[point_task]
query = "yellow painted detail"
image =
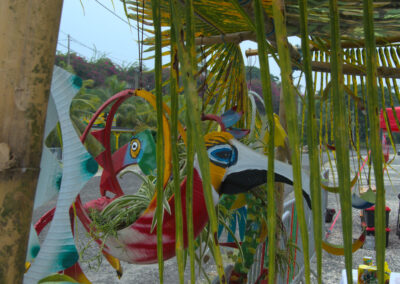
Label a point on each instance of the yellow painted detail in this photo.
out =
(115, 263)
(152, 100)
(217, 174)
(239, 202)
(339, 250)
(264, 231)
(81, 278)
(100, 120)
(335, 189)
(27, 266)
(216, 138)
(135, 148)
(279, 135)
(167, 143)
(167, 133)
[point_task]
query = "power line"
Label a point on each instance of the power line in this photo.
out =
(119, 61)
(95, 50)
(63, 45)
(82, 44)
(119, 17)
(112, 12)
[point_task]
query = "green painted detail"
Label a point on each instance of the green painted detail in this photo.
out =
(69, 257)
(147, 162)
(35, 250)
(58, 181)
(77, 82)
(57, 278)
(91, 165)
(252, 233)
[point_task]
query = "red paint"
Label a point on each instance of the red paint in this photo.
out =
(148, 244)
(137, 243)
(140, 242)
(215, 118)
(44, 220)
(391, 119)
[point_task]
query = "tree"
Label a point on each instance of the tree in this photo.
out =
(27, 49)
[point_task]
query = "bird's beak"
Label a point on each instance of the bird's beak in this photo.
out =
(250, 171)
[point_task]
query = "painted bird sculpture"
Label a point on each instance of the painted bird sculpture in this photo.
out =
(235, 168)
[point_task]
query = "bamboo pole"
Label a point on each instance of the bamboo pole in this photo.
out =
(227, 38)
(28, 32)
(347, 69)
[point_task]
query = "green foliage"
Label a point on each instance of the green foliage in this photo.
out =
(125, 210)
(99, 69)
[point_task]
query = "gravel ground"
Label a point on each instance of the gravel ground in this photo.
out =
(332, 265)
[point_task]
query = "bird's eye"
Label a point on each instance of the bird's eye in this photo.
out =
(223, 155)
(135, 148)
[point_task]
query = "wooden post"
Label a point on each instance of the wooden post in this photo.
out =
(28, 32)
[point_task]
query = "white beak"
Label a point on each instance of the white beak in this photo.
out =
(251, 168)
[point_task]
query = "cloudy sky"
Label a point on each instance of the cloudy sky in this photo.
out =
(99, 28)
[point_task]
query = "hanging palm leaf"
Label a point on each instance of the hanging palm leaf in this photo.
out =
(220, 26)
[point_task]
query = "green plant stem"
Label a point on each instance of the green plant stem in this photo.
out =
(312, 139)
(179, 246)
(160, 134)
(189, 198)
(191, 51)
(376, 146)
(290, 106)
(185, 53)
(266, 87)
(341, 136)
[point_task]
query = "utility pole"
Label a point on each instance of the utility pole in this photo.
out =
(27, 49)
(69, 53)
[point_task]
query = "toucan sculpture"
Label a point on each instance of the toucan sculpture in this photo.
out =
(234, 167)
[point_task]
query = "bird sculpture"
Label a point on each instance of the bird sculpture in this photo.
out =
(235, 168)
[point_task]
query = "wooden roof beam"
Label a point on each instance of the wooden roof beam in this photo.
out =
(348, 69)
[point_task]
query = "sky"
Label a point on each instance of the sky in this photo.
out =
(95, 31)
(99, 28)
